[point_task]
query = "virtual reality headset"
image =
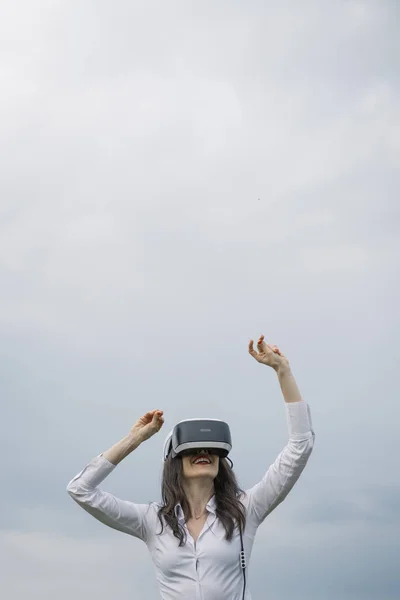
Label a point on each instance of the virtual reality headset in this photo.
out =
(198, 434)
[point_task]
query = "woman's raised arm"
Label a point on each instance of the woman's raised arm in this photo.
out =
(281, 476)
(84, 488)
(143, 429)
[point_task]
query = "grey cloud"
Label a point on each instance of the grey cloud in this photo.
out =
(348, 504)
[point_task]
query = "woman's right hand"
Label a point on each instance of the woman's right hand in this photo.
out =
(148, 425)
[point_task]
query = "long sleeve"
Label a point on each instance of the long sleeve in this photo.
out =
(281, 476)
(119, 514)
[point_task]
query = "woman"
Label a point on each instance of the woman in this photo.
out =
(195, 536)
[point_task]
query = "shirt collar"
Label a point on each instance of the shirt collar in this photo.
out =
(211, 507)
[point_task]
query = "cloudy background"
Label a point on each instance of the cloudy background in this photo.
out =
(177, 177)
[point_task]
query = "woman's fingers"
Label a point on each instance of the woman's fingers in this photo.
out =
(158, 419)
(263, 348)
(150, 416)
(149, 424)
(145, 419)
(251, 349)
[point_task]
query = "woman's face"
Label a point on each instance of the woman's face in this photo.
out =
(200, 464)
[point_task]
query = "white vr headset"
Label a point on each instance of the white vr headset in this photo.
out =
(198, 434)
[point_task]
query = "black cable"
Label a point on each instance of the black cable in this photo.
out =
(242, 562)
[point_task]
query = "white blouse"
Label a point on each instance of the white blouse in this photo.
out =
(210, 568)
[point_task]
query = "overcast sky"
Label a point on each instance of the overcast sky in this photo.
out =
(176, 178)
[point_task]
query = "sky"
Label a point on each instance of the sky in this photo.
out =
(177, 178)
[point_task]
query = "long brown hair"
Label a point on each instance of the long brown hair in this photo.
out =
(229, 508)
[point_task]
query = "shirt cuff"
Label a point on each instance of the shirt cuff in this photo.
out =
(95, 471)
(299, 420)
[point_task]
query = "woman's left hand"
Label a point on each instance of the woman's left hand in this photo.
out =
(268, 354)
